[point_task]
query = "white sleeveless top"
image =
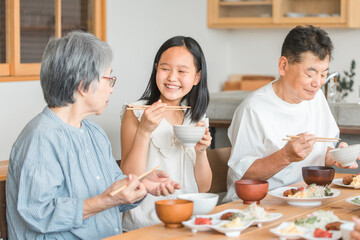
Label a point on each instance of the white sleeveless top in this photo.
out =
(174, 158)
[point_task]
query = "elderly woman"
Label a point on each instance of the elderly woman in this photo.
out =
(61, 168)
(291, 105)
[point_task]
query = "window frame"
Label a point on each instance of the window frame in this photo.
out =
(13, 70)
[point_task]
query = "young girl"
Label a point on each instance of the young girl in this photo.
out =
(147, 137)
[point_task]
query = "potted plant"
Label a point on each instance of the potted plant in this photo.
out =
(345, 83)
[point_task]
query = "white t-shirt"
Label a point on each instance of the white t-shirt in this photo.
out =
(174, 158)
(261, 122)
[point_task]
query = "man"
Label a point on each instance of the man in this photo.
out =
(291, 105)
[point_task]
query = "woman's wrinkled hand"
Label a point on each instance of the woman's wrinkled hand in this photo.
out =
(159, 183)
(205, 142)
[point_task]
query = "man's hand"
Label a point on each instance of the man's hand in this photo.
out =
(158, 183)
(329, 161)
(299, 148)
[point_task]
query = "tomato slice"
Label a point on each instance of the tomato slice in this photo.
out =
(322, 233)
(203, 221)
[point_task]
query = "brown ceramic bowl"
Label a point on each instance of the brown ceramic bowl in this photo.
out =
(173, 211)
(250, 190)
(320, 175)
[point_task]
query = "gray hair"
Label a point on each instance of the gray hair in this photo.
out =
(78, 57)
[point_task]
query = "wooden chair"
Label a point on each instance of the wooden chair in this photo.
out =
(3, 224)
(218, 159)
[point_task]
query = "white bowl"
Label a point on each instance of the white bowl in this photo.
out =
(346, 156)
(203, 202)
(189, 135)
(345, 229)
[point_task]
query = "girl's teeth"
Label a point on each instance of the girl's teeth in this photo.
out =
(173, 87)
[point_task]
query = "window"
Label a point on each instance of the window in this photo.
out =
(27, 25)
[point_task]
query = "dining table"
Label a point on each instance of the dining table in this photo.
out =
(341, 208)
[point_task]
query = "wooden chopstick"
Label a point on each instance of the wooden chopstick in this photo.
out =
(142, 107)
(139, 178)
(318, 138)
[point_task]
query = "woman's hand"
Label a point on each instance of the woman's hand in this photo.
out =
(329, 161)
(158, 183)
(205, 142)
(299, 148)
(152, 117)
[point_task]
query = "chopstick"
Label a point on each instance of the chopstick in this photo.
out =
(318, 138)
(139, 178)
(143, 107)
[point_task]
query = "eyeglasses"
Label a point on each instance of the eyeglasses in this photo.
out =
(112, 80)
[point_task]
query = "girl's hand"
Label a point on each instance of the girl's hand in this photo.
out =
(205, 142)
(152, 117)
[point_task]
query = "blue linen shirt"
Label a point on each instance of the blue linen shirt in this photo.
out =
(53, 169)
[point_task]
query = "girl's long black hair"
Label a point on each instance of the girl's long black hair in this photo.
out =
(198, 97)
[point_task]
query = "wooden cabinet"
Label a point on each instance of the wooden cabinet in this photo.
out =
(283, 13)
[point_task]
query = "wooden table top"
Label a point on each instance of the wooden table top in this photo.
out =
(341, 208)
(3, 170)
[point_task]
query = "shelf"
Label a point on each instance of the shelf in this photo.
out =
(231, 4)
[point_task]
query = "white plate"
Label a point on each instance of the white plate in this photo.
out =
(310, 236)
(349, 200)
(271, 217)
(204, 227)
(284, 236)
(339, 182)
(301, 201)
(231, 232)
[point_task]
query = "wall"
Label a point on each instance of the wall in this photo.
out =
(136, 29)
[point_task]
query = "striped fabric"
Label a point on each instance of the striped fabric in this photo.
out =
(53, 168)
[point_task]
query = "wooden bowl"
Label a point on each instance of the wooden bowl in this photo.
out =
(320, 175)
(250, 190)
(173, 211)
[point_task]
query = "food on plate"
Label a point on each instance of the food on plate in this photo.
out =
(203, 221)
(291, 229)
(356, 200)
(227, 216)
(235, 223)
(317, 219)
(322, 233)
(335, 226)
(292, 191)
(311, 191)
(348, 179)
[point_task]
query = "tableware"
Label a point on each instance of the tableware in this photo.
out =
(349, 200)
(284, 236)
(203, 202)
(317, 139)
(173, 211)
(320, 175)
(310, 236)
(339, 182)
(250, 190)
(271, 217)
(345, 230)
(143, 107)
(301, 201)
(346, 156)
(189, 135)
(232, 231)
(204, 227)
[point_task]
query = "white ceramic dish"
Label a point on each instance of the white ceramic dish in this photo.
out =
(204, 203)
(346, 156)
(217, 223)
(189, 135)
(349, 200)
(339, 182)
(301, 201)
(284, 236)
(310, 236)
